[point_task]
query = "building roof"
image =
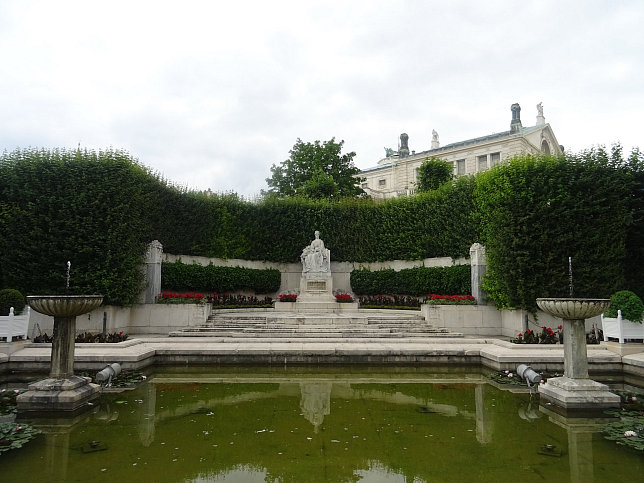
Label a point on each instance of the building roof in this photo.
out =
(452, 146)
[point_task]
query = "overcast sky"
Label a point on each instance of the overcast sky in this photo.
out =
(211, 93)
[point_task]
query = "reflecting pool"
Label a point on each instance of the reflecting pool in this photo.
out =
(319, 425)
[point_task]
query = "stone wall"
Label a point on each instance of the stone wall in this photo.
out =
(484, 320)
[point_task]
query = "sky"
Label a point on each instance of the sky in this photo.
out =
(210, 94)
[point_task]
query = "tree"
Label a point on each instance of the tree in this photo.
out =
(316, 170)
(433, 173)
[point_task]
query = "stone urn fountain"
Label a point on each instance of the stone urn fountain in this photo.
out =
(62, 391)
(575, 390)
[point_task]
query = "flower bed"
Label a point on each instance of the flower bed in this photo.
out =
(87, 337)
(550, 336)
(343, 298)
(180, 298)
(435, 299)
(288, 297)
(232, 301)
(218, 301)
(395, 301)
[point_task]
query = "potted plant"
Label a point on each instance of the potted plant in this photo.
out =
(623, 319)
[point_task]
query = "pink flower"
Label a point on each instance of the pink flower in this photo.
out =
(628, 434)
(507, 372)
(541, 381)
(510, 375)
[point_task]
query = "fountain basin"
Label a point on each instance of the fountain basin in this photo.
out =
(573, 308)
(62, 392)
(575, 391)
(64, 305)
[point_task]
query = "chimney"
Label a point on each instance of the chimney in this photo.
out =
(404, 146)
(515, 125)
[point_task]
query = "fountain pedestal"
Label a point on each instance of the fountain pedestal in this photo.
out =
(62, 391)
(575, 391)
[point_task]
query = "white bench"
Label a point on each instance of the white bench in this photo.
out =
(14, 325)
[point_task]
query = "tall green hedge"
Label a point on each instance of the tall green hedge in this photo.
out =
(453, 280)
(87, 207)
(535, 212)
(210, 278)
(100, 209)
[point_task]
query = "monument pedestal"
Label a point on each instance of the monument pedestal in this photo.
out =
(64, 395)
(572, 394)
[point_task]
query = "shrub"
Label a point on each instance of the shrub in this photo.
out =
(629, 303)
(417, 281)
(11, 298)
(211, 278)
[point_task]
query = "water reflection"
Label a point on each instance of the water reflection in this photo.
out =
(320, 427)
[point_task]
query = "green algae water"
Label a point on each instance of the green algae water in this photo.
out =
(319, 425)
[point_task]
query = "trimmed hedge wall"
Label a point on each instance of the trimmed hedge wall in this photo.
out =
(100, 210)
(91, 208)
(211, 278)
(436, 224)
(536, 212)
(454, 280)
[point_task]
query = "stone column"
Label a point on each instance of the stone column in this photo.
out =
(152, 272)
(575, 355)
(62, 348)
(479, 266)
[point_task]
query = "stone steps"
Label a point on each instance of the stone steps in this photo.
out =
(315, 326)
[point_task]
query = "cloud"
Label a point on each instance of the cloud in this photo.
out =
(211, 94)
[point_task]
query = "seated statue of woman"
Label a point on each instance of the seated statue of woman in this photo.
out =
(315, 258)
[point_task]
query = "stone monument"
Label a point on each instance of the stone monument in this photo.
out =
(316, 281)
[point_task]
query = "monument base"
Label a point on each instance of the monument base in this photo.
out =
(316, 287)
(58, 395)
(573, 394)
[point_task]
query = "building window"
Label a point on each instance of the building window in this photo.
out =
(495, 158)
(482, 162)
(460, 166)
(365, 185)
(382, 183)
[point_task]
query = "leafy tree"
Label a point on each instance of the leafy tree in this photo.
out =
(316, 170)
(433, 173)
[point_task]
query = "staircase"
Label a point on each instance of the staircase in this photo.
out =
(368, 324)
